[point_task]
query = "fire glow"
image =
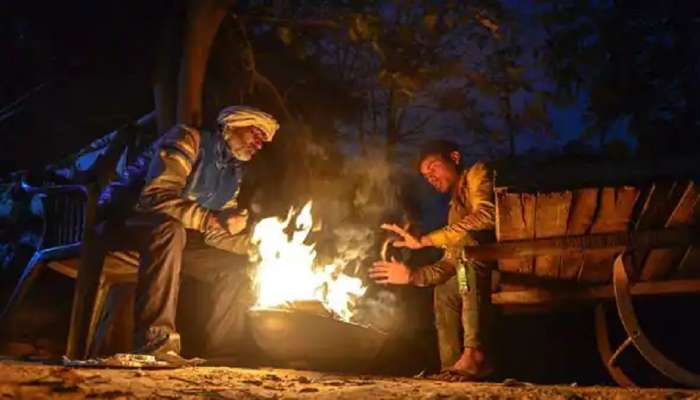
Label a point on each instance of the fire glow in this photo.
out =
(287, 269)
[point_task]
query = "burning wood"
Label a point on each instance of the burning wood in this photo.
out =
(287, 275)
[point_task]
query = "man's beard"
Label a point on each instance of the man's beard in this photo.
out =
(242, 153)
(225, 155)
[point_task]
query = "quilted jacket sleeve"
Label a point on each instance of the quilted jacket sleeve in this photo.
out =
(222, 240)
(172, 163)
(439, 272)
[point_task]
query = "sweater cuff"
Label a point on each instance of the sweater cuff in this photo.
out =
(438, 238)
(416, 279)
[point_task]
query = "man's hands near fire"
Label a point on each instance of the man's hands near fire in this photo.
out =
(407, 240)
(233, 221)
(392, 272)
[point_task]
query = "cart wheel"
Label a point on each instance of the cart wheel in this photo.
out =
(609, 358)
(636, 336)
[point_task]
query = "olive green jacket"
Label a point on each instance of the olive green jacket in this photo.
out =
(471, 210)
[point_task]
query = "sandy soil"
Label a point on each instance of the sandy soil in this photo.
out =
(35, 381)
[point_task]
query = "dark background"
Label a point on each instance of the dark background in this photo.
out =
(73, 71)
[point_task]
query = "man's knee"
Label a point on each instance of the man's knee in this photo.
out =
(440, 297)
(446, 296)
(171, 234)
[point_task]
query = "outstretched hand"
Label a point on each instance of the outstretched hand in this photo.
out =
(232, 222)
(392, 272)
(407, 240)
(236, 222)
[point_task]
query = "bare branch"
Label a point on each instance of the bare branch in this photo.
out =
(256, 76)
(305, 23)
(416, 128)
(17, 105)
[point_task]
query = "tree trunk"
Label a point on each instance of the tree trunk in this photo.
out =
(392, 130)
(167, 65)
(508, 114)
(203, 20)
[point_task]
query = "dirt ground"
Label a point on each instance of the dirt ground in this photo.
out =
(35, 381)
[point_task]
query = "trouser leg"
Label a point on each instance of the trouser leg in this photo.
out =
(229, 295)
(447, 303)
(158, 283)
(476, 305)
(226, 322)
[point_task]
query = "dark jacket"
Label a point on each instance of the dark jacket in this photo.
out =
(185, 175)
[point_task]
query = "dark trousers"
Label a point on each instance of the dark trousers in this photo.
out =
(463, 317)
(167, 252)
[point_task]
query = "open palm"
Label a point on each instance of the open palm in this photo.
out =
(407, 240)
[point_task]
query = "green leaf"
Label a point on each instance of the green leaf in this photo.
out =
(360, 26)
(484, 85)
(430, 20)
(536, 109)
(487, 23)
(450, 21)
(352, 34)
(452, 99)
(377, 49)
(515, 73)
(285, 35)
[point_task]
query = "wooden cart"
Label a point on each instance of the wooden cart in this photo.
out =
(599, 240)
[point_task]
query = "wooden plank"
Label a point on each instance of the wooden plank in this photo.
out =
(67, 267)
(616, 242)
(551, 217)
(614, 209)
(653, 213)
(549, 296)
(515, 282)
(659, 263)
(689, 266)
(658, 206)
(583, 207)
(515, 220)
(615, 205)
(685, 213)
(119, 266)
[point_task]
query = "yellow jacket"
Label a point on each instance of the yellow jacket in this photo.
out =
(471, 210)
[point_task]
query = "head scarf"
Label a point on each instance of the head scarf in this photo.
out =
(242, 116)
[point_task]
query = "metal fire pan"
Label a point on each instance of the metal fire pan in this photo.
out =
(306, 340)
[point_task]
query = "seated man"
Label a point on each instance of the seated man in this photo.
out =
(462, 287)
(185, 208)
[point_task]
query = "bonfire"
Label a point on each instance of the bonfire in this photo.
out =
(288, 276)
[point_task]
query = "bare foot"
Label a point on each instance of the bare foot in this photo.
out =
(449, 375)
(472, 365)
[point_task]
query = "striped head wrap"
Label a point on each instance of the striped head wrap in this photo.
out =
(242, 116)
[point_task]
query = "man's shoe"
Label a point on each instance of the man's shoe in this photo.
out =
(164, 344)
(167, 349)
